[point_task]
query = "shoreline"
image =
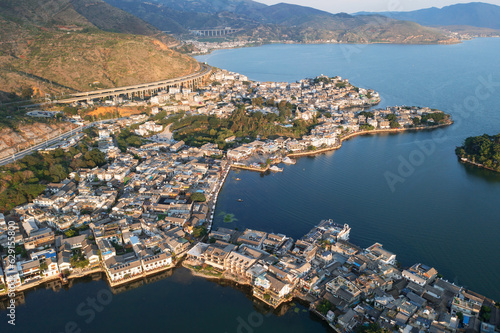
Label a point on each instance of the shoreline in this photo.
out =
(213, 200)
(466, 161)
(370, 132)
(338, 146)
(259, 44)
(100, 270)
(221, 276)
(244, 283)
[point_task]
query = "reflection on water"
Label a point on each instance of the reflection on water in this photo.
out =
(481, 174)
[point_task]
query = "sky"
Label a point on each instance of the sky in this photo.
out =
(352, 6)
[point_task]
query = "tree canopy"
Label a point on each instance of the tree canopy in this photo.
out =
(198, 197)
(24, 180)
(200, 129)
(484, 149)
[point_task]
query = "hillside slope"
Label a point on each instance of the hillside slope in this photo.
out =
(57, 46)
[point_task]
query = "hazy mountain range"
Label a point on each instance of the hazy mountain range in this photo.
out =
(277, 22)
(476, 14)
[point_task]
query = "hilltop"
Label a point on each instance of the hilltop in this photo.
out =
(62, 46)
(278, 22)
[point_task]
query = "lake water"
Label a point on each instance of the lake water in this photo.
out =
(177, 302)
(441, 213)
(433, 209)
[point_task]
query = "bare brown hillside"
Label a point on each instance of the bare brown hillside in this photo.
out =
(63, 46)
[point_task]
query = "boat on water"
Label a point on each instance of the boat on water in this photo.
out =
(288, 160)
(240, 200)
(237, 179)
(275, 169)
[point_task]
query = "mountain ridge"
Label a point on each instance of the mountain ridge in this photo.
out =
(476, 14)
(281, 21)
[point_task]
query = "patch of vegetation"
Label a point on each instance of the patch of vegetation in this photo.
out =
(162, 119)
(324, 306)
(437, 117)
(24, 180)
(127, 138)
(206, 270)
(198, 197)
(323, 79)
(394, 124)
(366, 127)
(78, 260)
(484, 149)
(199, 232)
(367, 114)
(485, 313)
(20, 250)
(227, 217)
(370, 328)
(198, 130)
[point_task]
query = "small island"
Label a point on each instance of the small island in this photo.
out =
(482, 151)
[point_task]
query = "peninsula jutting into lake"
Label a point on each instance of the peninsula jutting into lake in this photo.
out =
(151, 206)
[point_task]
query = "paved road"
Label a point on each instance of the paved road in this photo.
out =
(50, 142)
(83, 96)
(205, 69)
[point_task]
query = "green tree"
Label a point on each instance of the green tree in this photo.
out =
(366, 127)
(199, 232)
(366, 114)
(43, 265)
(198, 197)
(324, 306)
(258, 101)
(394, 124)
(70, 233)
(391, 117)
(371, 328)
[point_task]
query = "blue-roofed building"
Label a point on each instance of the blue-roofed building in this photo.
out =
(44, 254)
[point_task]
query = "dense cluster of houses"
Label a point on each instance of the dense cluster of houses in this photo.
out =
(348, 286)
(135, 216)
(131, 216)
(206, 47)
(329, 130)
(272, 263)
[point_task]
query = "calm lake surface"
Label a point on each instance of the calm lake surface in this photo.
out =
(439, 212)
(443, 213)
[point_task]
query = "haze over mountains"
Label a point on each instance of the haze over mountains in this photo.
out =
(277, 22)
(61, 46)
(476, 14)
